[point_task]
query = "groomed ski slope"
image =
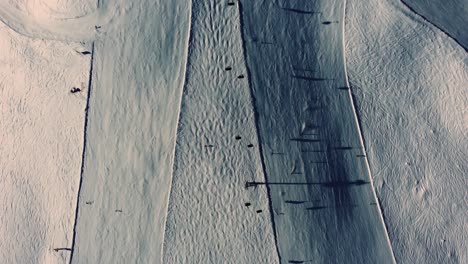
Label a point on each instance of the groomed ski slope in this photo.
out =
(325, 209)
(41, 133)
(410, 84)
(138, 73)
(212, 218)
(289, 122)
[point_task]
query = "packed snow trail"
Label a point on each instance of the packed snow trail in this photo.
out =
(212, 218)
(325, 209)
(138, 71)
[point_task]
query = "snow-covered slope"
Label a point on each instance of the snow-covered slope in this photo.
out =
(54, 9)
(247, 138)
(41, 139)
(138, 72)
(325, 210)
(210, 219)
(410, 82)
(449, 16)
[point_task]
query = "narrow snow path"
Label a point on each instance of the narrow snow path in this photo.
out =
(133, 111)
(212, 218)
(321, 190)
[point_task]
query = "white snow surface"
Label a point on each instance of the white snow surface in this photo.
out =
(138, 74)
(208, 221)
(54, 9)
(410, 82)
(41, 140)
(164, 115)
(325, 210)
(449, 16)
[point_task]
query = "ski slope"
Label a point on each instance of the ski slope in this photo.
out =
(325, 210)
(138, 72)
(226, 132)
(212, 218)
(449, 17)
(413, 110)
(41, 141)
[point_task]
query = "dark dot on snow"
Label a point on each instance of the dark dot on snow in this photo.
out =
(228, 68)
(231, 4)
(209, 146)
(118, 211)
(259, 211)
(75, 90)
(85, 52)
(248, 204)
(238, 137)
(241, 76)
(250, 145)
(327, 22)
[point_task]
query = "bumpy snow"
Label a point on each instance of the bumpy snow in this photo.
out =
(209, 218)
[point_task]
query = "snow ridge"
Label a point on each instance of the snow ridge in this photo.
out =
(84, 151)
(361, 138)
(260, 144)
(187, 74)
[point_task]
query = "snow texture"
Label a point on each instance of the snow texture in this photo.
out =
(226, 131)
(410, 82)
(54, 9)
(212, 217)
(449, 16)
(316, 167)
(138, 73)
(40, 145)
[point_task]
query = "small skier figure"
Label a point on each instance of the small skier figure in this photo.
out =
(75, 90)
